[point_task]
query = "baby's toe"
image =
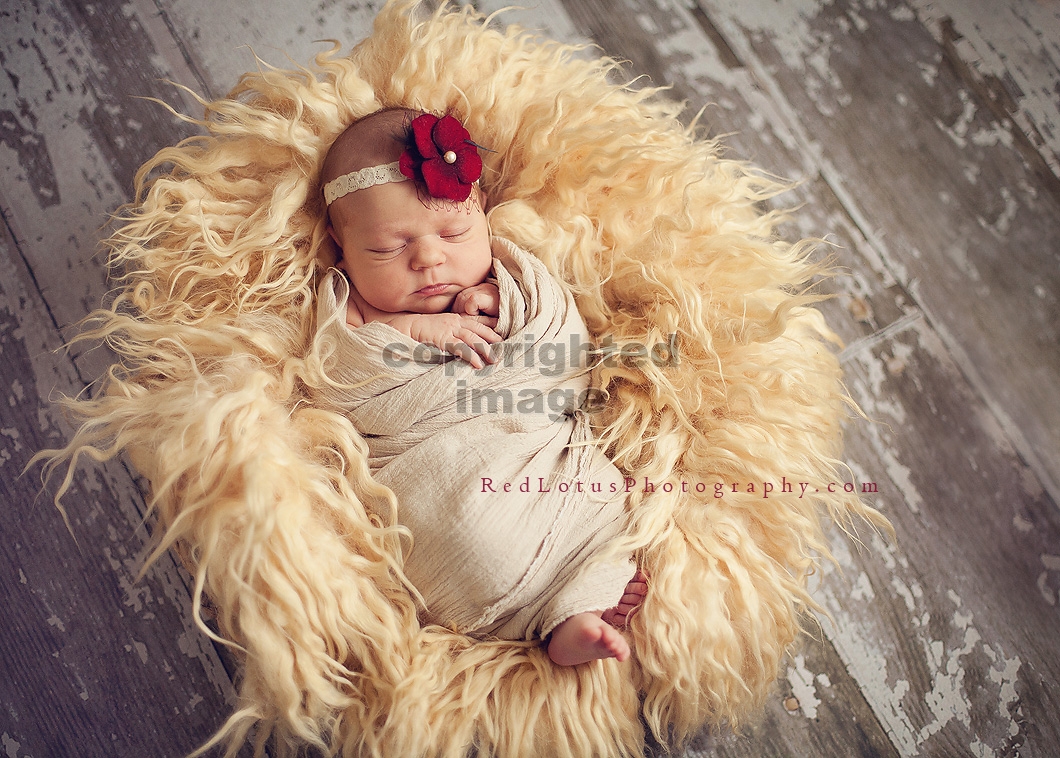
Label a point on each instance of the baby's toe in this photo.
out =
(616, 644)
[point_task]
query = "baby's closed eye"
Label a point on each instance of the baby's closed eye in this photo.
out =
(385, 249)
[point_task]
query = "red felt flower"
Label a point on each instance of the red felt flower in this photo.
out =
(442, 156)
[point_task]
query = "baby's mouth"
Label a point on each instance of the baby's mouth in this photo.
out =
(433, 289)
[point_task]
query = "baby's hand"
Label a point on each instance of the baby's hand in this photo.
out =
(483, 298)
(467, 337)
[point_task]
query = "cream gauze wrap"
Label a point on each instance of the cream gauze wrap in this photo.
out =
(446, 438)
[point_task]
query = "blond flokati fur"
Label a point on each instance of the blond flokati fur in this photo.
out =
(269, 499)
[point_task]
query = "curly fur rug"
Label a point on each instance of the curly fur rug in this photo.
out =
(269, 500)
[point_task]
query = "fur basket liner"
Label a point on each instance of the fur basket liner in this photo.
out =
(269, 501)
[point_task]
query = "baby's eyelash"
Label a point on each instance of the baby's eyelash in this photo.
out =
(456, 234)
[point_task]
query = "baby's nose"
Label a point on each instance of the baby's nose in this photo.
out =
(426, 253)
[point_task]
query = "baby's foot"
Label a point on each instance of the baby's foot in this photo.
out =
(633, 596)
(586, 637)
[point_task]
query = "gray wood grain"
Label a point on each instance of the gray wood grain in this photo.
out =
(94, 662)
(75, 129)
(1009, 52)
(818, 710)
(967, 222)
(953, 632)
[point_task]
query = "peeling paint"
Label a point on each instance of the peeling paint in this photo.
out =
(862, 590)
(12, 434)
(1043, 587)
(11, 746)
(947, 698)
(958, 131)
(1051, 564)
(959, 256)
(879, 406)
(803, 688)
(195, 700)
(83, 694)
(786, 24)
(1000, 226)
(1014, 44)
(18, 393)
(998, 133)
(224, 36)
(947, 639)
(929, 72)
(141, 650)
(38, 340)
(54, 87)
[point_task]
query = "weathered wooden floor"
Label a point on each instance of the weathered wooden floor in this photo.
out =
(926, 135)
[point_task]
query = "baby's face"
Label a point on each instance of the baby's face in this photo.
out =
(403, 256)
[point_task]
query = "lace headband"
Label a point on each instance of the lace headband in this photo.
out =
(439, 155)
(363, 179)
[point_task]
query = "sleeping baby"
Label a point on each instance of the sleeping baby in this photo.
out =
(531, 560)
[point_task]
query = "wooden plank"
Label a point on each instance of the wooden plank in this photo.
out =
(73, 132)
(95, 662)
(219, 40)
(814, 713)
(1009, 53)
(701, 70)
(953, 632)
(963, 220)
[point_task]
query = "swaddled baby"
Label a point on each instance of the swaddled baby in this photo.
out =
(511, 506)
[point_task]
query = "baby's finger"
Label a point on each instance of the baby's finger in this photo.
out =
(481, 349)
(465, 351)
(473, 348)
(483, 330)
(462, 302)
(468, 302)
(487, 321)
